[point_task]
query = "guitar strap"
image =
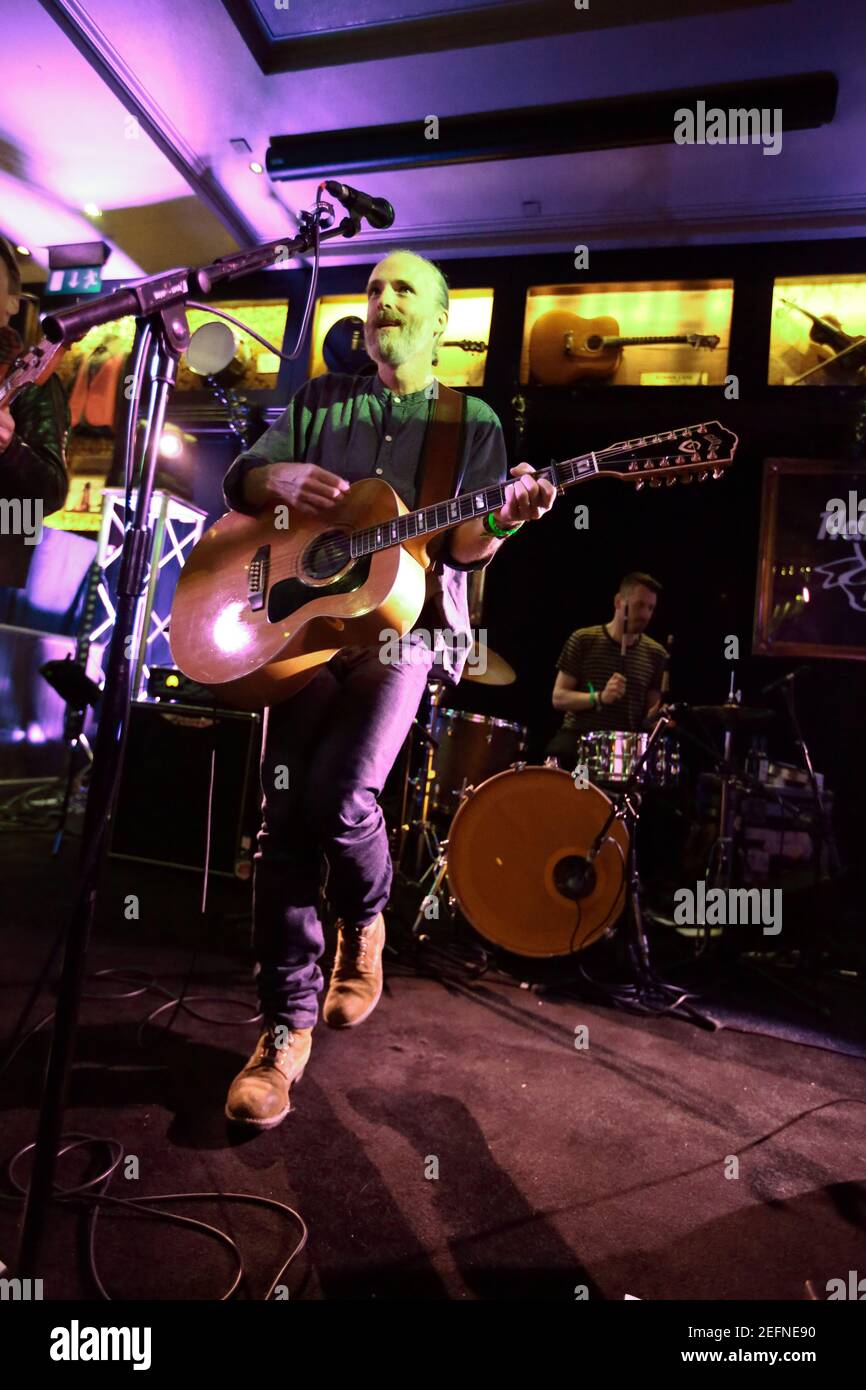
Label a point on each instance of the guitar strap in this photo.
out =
(441, 456)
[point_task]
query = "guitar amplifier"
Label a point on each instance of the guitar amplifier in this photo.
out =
(162, 807)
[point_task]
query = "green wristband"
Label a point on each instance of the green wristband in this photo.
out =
(495, 530)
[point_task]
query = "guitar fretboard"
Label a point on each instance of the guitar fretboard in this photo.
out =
(442, 515)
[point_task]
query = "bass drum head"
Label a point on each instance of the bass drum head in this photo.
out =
(512, 842)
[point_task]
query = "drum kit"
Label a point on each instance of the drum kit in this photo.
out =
(542, 861)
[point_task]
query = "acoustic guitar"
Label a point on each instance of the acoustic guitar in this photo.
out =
(259, 609)
(564, 348)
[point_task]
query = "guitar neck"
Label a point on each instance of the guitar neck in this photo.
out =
(634, 342)
(442, 516)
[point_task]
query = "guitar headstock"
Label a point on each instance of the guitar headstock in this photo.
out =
(37, 362)
(671, 455)
(703, 340)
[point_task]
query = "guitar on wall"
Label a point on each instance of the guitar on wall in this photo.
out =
(259, 609)
(563, 347)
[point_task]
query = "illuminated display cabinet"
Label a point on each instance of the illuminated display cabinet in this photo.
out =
(818, 331)
(653, 333)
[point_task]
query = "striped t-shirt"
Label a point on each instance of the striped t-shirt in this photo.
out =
(592, 656)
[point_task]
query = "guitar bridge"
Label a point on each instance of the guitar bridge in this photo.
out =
(257, 579)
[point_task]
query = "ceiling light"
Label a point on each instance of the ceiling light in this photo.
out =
(91, 210)
(22, 250)
(256, 167)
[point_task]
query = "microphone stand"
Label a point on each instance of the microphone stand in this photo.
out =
(161, 335)
(648, 987)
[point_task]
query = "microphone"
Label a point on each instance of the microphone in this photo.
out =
(377, 211)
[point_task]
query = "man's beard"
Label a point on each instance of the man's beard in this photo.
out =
(396, 345)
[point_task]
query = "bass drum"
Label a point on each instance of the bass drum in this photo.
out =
(517, 862)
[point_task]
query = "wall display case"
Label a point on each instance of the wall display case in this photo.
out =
(653, 333)
(818, 331)
(811, 582)
(337, 342)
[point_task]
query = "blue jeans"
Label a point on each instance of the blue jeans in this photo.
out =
(334, 743)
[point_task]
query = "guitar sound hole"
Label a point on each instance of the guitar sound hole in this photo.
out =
(326, 555)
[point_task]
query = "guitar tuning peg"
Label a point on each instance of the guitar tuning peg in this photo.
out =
(687, 478)
(703, 475)
(671, 479)
(655, 482)
(639, 484)
(717, 472)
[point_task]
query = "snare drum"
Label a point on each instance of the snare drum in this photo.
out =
(610, 757)
(472, 747)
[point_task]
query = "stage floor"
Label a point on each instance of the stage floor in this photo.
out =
(455, 1146)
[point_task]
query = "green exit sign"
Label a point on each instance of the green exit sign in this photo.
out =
(75, 280)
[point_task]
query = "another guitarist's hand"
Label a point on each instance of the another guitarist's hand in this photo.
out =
(7, 429)
(304, 486)
(527, 499)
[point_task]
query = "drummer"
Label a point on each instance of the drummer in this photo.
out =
(600, 686)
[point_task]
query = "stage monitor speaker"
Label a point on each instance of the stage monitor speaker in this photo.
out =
(161, 815)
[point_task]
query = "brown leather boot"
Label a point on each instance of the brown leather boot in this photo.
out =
(356, 980)
(259, 1095)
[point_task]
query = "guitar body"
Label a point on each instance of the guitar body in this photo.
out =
(259, 610)
(563, 347)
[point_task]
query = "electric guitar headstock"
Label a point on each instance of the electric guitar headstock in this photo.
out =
(671, 455)
(33, 365)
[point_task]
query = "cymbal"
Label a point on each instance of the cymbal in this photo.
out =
(734, 716)
(486, 667)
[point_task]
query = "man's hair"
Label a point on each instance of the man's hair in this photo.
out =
(10, 260)
(440, 282)
(636, 577)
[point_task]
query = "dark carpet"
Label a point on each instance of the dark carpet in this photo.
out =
(456, 1146)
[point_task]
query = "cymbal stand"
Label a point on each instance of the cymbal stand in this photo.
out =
(427, 839)
(648, 993)
(722, 850)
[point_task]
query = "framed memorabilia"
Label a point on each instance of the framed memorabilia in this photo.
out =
(818, 331)
(337, 342)
(811, 584)
(656, 333)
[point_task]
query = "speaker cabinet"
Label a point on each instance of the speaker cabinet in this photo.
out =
(162, 809)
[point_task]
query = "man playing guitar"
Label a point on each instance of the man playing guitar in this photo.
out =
(329, 748)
